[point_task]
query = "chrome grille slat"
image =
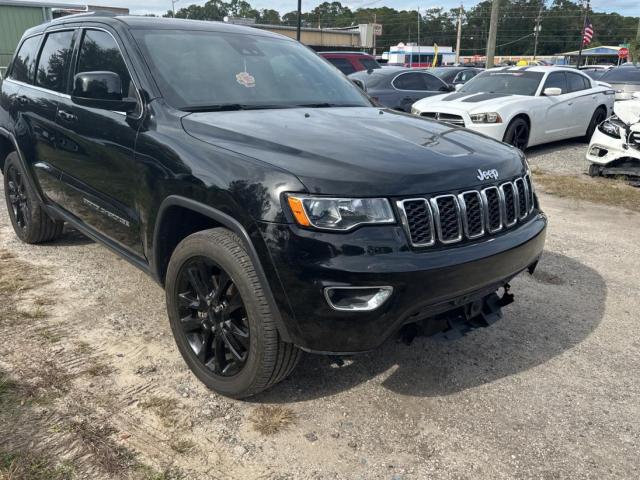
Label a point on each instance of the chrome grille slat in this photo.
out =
(508, 192)
(472, 214)
(446, 216)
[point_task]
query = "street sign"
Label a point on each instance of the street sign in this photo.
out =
(377, 29)
(623, 52)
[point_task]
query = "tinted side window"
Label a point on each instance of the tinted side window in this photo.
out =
(343, 65)
(576, 82)
(369, 63)
(432, 83)
(53, 65)
(99, 52)
(410, 81)
(556, 80)
(24, 65)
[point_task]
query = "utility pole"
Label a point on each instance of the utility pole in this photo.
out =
(173, 8)
(584, 21)
(537, 28)
(375, 23)
(459, 35)
(299, 20)
(418, 36)
(493, 33)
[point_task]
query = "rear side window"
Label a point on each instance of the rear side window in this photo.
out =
(410, 81)
(433, 84)
(24, 65)
(99, 52)
(55, 57)
(556, 80)
(576, 82)
(369, 63)
(343, 65)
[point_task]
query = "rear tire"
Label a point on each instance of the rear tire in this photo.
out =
(29, 219)
(517, 133)
(597, 118)
(222, 324)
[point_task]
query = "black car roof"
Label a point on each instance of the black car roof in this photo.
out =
(141, 23)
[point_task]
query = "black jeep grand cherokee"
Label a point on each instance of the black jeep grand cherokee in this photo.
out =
(279, 208)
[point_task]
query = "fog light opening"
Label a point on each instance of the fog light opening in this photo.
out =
(357, 299)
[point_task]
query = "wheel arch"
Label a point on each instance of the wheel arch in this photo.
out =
(6, 147)
(195, 216)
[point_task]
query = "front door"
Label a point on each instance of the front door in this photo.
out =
(559, 122)
(101, 181)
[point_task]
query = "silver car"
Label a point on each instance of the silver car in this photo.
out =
(625, 80)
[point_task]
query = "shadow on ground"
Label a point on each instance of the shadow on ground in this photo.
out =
(555, 310)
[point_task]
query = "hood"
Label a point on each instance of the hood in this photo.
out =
(467, 102)
(628, 111)
(359, 151)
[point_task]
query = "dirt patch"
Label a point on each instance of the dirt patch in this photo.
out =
(604, 191)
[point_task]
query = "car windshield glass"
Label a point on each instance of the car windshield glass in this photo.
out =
(515, 83)
(196, 70)
(622, 75)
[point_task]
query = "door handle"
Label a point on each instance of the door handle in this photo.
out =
(570, 103)
(66, 116)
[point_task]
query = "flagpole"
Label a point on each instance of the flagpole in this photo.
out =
(584, 24)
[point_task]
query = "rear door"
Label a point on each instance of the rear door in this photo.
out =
(39, 99)
(412, 86)
(559, 121)
(582, 104)
(99, 171)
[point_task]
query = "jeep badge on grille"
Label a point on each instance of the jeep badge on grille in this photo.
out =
(486, 174)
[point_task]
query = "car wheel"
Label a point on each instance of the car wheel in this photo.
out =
(517, 133)
(221, 321)
(30, 222)
(598, 117)
(594, 170)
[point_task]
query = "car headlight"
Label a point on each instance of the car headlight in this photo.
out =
(339, 213)
(490, 117)
(611, 127)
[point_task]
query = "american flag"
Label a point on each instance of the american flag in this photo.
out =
(587, 33)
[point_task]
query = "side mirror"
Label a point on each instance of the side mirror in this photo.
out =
(636, 95)
(552, 92)
(359, 84)
(101, 90)
(458, 86)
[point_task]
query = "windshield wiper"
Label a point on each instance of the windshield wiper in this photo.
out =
(326, 105)
(229, 107)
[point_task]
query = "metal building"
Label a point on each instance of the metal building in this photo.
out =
(15, 17)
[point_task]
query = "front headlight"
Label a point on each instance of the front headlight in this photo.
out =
(611, 127)
(490, 117)
(339, 213)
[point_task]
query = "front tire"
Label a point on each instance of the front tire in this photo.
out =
(517, 133)
(597, 118)
(30, 222)
(222, 324)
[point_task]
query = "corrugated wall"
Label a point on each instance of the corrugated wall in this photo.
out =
(13, 22)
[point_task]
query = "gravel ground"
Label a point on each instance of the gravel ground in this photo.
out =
(567, 157)
(550, 391)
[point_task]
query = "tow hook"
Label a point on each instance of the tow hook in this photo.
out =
(457, 323)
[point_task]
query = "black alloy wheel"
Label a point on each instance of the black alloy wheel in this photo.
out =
(598, 117)
(517, 134)
(213, 317)
(17, 195)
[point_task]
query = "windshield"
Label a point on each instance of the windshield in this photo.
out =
(622, 75)
(205, 70)
(515, 82)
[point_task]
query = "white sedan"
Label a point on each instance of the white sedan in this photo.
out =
(524, 106)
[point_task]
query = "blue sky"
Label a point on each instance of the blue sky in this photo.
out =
(624, 7)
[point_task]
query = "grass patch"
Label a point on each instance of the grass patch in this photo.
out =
(37, 313)
(48, 335)
(271, 419)
(163, 407)
(99, 370)
(182, 446)
(83, 347)
(33, 466)
(96, 439)
(605, 191)
(170, 473)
